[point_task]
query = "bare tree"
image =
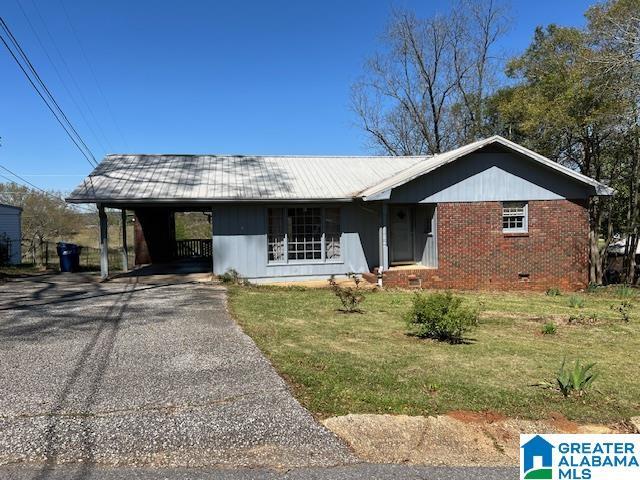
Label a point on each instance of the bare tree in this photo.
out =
(434, 74)
(477, 30)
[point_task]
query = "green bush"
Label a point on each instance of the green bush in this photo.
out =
(441, 316)
(232, 277)
(575, 380)
(553, 292)
(549, 328)
(576, 301)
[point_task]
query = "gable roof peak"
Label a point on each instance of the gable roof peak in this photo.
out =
(432, 163)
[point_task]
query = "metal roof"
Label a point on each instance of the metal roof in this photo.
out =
(202, 178)
(211, 178)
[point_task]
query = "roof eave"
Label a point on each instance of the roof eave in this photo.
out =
(106, 201)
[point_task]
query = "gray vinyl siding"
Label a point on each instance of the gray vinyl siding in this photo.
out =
(426, 249)
(10, 226)
(482, 177)
(240, 242)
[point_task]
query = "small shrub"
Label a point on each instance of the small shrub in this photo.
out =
(350, 297)
(232, 277)
(575, 380)
(441, 316)
(576, 301)
(549, 328)
(624, 309)
(624, 291)
(553, 292)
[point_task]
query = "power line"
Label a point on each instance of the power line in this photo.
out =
(55, 69)
(26, 181)
(56, 110)
(93, 74)
(44, 87)
(32, 185)
(70, 73)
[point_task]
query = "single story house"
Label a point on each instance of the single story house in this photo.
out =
(491, 214)
(10, 234)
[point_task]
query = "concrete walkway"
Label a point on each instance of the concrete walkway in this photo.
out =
(151, 375)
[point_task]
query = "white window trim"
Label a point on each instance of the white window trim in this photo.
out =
(525, 220)
(319, 261)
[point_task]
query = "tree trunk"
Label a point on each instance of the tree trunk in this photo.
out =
(595, 256)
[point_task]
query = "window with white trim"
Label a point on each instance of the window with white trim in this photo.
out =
(276, 236)
(515, 217)
(303, 234)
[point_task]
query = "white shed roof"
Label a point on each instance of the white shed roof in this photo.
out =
(12, 207)
(210, 178)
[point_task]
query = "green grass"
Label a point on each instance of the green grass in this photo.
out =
(365, 363)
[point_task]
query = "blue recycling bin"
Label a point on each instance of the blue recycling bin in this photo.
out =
(69, 254)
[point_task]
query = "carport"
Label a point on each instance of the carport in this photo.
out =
(155, 239)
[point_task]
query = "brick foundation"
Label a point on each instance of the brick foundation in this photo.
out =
(474, 253)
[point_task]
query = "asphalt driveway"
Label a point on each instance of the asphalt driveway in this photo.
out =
(149, 375)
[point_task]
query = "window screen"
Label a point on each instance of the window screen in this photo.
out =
(303, 233)
(514, 217)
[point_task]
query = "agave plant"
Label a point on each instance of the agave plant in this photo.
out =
(577, 379)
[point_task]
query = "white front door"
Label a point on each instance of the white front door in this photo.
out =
(401, 234)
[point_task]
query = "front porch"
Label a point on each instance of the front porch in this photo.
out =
(405, 276)
(408, 244)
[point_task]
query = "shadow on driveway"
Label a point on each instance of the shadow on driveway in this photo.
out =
(158, 375)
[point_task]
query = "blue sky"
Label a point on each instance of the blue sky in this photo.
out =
(250, 77)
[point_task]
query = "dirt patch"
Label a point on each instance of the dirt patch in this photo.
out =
(467, 416)
(461, 438)
(559, 421)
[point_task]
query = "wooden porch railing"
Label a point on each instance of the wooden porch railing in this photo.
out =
(196, 248)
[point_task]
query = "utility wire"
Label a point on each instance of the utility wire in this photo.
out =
(57, 112)
(35, 187)
(62, 82)
(93, 74)
(70, 73)
(26, 181)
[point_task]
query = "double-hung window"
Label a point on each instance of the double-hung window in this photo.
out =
(300, 234)
(515, 217)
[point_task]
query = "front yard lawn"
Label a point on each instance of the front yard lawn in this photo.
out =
(365, 363)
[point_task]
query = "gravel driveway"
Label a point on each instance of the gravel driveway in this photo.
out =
(122, 374)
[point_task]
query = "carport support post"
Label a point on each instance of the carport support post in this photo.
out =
(125, 249)
(104, 244)
(212, 266)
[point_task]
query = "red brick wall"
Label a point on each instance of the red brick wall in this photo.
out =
(474, 253)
